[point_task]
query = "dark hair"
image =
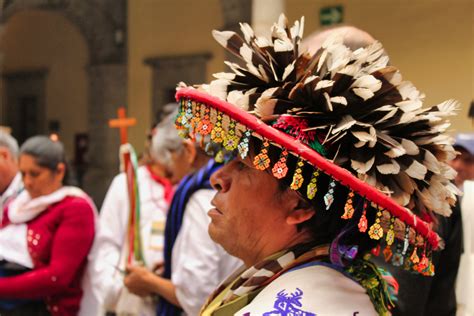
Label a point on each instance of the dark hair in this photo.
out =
(47, 153)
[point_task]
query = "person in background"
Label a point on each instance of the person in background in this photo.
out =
(156, 180)
(45, 236)
(464, 165)
(193, 264)
(10, 177)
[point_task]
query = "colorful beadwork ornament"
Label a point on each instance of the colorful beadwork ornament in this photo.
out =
(376, 251)
(205, 126)
(196, 117)
(363, 220)
(406, 240)
(262, 161)
(329, 196)
(348, 208)
(387, 253)
(414, 256)
(376, 230)
(231, 140)
(297, 176)
(397, 259)
(280, 169)
(217, 134)
(390, 238)
(186, 118)
(219, 157)
(424, 263)
(243, 146)
(312, 187)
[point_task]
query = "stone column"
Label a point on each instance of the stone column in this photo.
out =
(235, 12)
(107, 92)
(168, 71)
(264, 14)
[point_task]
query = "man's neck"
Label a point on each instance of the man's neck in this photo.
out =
(156, 170)
(273, 247)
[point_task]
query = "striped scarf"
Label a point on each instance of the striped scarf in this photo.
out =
(245, 284)
(189, 185)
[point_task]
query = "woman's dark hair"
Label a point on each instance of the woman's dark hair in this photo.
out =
(47, 153)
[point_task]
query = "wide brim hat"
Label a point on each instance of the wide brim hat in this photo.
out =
(336, 120)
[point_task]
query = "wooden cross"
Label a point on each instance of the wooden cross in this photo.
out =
(122, 122)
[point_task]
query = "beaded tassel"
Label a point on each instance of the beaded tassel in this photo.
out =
(243, 146)
(205, 126)
(312, 186)
(329, 196)
(376, 230)
(297, 176)
(363, 220)
(348, 208)
(262, 161)
(217, 134)
(231, 140)
(280, 169)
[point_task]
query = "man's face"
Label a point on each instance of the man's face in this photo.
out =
(8, 168)
(250, 209)
(464, 165)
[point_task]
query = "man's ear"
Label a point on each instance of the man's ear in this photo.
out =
(301, 210)
(299, 216)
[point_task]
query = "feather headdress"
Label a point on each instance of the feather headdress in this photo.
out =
(345, 113)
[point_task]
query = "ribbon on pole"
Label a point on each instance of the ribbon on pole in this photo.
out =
(129, 165)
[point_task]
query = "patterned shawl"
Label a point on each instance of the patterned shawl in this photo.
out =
(245, 284)
(189, 185)
(242, 286)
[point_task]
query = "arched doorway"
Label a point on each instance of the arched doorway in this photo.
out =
(103, 29)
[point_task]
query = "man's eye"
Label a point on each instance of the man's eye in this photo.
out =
(241, 165)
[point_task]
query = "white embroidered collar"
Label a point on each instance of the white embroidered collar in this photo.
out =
(24, 208)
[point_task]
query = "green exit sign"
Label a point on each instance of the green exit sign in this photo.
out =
(331, 15)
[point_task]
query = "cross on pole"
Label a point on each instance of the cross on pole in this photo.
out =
(122, 123)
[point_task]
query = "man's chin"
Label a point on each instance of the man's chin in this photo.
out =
(214, 233)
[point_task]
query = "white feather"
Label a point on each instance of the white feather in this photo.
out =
(224, 75)
(222, 36)
(362, 167)
(283, 46)
(247, 31)
(323, 84)
(288, 70)
(410, 147)
(364, 93)
(431, 162)
(265, 104)
(339, 100)
(345, 123)
(416, 170)
(218, 88)
(409, 105)
(389, 168)
(328, 102)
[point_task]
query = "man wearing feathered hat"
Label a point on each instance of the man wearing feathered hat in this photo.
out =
(330, 157)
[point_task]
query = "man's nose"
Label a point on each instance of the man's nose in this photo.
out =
(220, 180)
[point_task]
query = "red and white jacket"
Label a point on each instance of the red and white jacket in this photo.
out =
(57, 231)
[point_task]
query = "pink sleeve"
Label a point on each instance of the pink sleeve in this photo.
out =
(70, 246)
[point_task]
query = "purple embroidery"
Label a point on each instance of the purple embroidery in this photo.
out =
(287, 305)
